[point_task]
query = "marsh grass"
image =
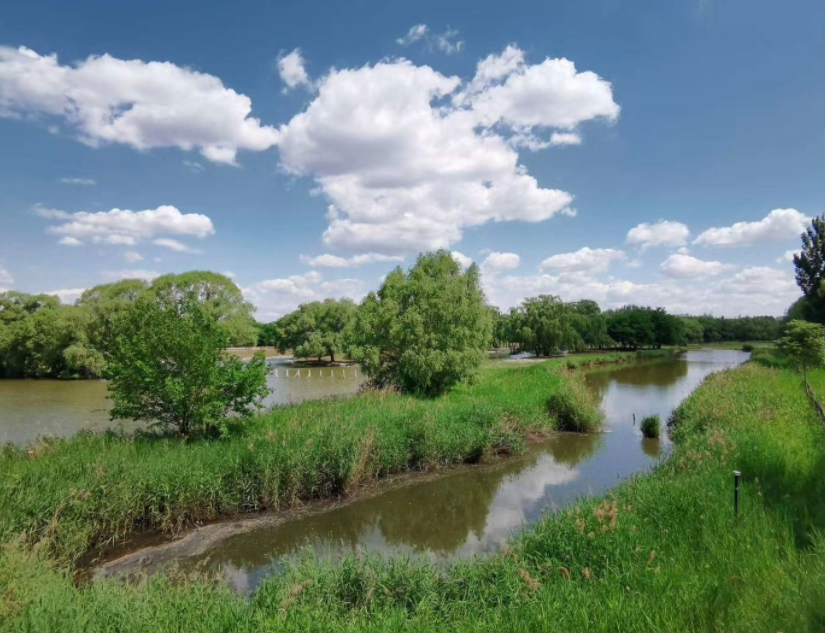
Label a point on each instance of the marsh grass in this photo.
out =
(651, 426)
(662, 552)
(78, 494)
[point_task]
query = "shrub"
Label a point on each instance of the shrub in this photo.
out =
(747, 347)
(574, 406)
(652, 426)
(168, 367)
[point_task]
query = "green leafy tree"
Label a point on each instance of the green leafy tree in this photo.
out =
(547, 326)
(804, 343)
(316, 329)
(424, 330)
(167, 367)
(692, 329)
(220, 296)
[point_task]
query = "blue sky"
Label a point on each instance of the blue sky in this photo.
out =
(659, 153)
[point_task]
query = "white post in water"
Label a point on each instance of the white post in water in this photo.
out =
(276, 372)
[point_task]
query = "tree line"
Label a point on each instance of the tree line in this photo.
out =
(40, 337)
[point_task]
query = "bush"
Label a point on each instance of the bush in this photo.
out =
(652, 426)
(575, 407)
(168, 367)
(747, 347)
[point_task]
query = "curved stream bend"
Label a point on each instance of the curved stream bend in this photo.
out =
(469, 510)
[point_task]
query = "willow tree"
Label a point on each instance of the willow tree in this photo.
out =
(425, 329)
(220, 297)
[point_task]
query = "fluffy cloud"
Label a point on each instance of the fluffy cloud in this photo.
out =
(779, 224)
(787, 257)
(682, 266)
(661, 233)
(292, 71)
(752, 291)
(142, 104)
(499, 262)
(175, 245)
(406, 171)
(277, 297)
(415, 33)
(463, 261)
(5, 276)
(131, 273)
(584, 259)
(334, 261)
(132, 257)
(67, 295)
(120, 226)
(89, 182)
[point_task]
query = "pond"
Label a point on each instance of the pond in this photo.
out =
(460, 513)
(35, 408)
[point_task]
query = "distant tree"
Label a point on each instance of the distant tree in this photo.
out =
(692, 330)
(547, 326)
(804, 343)
(316, 329)
(590, 323)
(269, 334)
(167, 366)
(219, 295)
(424, 330)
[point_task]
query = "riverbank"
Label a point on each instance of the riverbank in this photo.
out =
(78, 494)
(662, 552)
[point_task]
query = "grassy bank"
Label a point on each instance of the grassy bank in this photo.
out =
(75, 495)
(660, 553)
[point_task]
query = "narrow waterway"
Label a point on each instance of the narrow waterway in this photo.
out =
(465, 512)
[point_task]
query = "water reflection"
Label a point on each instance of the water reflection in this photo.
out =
(465, 513)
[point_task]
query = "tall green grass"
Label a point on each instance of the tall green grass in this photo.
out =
(662, 552)
(78, 494)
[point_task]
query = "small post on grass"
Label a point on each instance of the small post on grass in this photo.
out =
(736, 476)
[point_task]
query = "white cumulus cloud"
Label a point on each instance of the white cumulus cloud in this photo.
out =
(661, 233)
(132, 257)
(121, 226)
(67, 295)
(78, 181)
(335, 261)
(406, 171)
(787, 257)
(276, 297)
(585, 259)
(463, 261)
(141, 104)
(291, 68)
(499, 262)
(779, 224)
(682, 266)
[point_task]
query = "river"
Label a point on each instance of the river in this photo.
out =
(36, 408)
(463, 512)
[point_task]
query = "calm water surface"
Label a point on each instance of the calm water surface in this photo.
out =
(35, 408)
(467, 512)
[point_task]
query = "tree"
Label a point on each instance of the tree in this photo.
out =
(167, 366)
(547, 326)
(810, 269)
(424, 330)
(221, 298)
(316, 329)
(804, 343)
(692, 330)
